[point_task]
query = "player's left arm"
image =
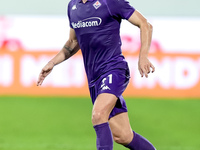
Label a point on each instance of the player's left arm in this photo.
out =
(146, 29)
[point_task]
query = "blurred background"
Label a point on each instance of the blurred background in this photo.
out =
(164, 107)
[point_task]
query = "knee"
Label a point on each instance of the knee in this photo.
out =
(99, 117)
(123, 138)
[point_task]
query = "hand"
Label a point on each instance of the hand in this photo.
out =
(145, 66)
(45, 72)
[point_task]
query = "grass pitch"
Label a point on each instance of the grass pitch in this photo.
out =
(64, 123)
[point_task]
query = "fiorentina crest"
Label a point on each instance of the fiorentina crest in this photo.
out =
(97, 4)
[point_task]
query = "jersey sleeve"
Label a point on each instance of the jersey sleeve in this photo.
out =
(68, 14)
(120, 8)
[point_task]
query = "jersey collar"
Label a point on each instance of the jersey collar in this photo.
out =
(80, 1)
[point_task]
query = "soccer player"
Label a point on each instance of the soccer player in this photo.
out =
(94, 28)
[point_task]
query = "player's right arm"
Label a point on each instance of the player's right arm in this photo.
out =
(68, 50)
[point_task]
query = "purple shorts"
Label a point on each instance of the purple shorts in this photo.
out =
(113, 82)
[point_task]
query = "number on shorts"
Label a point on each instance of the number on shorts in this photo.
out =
(110, 78)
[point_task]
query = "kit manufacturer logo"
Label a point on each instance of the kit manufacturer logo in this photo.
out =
(74, 7)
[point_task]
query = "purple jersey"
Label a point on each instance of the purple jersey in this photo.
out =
(97, 24)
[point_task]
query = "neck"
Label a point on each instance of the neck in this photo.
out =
(84, 1)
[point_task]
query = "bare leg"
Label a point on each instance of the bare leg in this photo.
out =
(121, 129)
(101, 110)
(123, 134)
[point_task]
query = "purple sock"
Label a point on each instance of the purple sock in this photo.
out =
(104, 137)
(140, 143)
